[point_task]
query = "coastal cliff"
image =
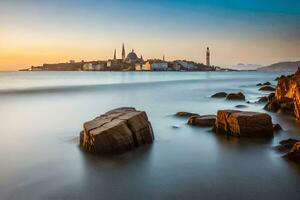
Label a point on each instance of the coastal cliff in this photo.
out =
(288, 92)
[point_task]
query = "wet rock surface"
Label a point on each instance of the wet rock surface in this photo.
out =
(277, 127)
(267, 88)
(263, 99)
(116, 131)
(236, 96)
(243, 124)
(272, 106)
(241, 106)
(292, 149)
(186, 114)
(203, 121)
(219, 95)
(263, 84)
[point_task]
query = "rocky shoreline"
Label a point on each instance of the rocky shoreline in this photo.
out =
(124, 129)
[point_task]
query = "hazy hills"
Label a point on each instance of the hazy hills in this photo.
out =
(281, 66)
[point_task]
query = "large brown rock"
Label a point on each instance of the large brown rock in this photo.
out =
(288, 87)
(116, 131)
(244, 124)
(204, 120)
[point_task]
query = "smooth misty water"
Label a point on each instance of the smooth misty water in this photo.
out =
(41, 115)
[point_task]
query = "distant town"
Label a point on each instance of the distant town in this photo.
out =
(131, 62)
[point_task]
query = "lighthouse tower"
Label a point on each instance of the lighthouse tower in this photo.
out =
(207, 57)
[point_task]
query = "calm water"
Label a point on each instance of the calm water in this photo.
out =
(41, 115)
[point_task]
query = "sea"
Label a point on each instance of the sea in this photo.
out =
(42, 113)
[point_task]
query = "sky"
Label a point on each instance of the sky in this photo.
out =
(33, 32)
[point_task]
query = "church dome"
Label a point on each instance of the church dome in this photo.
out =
(132, 56)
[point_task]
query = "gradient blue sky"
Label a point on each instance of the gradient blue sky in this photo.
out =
(247, 31)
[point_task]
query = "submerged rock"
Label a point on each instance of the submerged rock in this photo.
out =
(292, 147)
(243, 124)
(261, 84)
(272, 106)
(117, 131)
(219, 95)
(263, 99)
(205, 120)
(271, 96)
(236, 96)
(186, 114)
(267, 88)
(294, 153)
(241, 106)
(277, 127)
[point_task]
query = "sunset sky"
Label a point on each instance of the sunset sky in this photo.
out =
(33, 32)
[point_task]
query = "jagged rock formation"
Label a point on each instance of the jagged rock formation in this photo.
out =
(247, 124)
(288, 93)
(204, 120)
(117, 131)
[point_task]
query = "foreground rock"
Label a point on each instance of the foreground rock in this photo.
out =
(236, 96)
(243, 124)
(267, 88)
(186, 114)
(203, 121)
(292, 147)
(219, 95)
(117, 131)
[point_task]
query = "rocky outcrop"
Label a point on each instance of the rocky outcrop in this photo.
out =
(186, 114)
(116, 131)
(243, 124)
(236, 96)
(203, 121)
(288, 93)
(219, 95)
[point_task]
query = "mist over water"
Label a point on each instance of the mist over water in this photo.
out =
(42, 113)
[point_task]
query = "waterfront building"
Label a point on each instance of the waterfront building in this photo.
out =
(155, 65)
